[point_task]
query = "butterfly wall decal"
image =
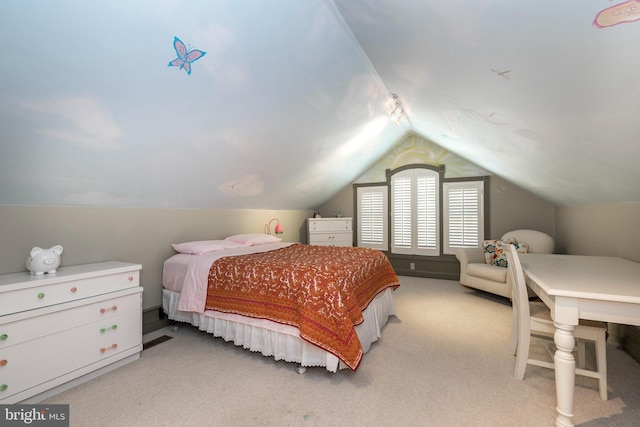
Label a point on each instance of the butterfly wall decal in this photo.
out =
(185, 56)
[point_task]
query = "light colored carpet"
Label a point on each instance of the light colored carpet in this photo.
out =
(443, 361)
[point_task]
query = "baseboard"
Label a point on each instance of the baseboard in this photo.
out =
(427, 274)
(153, 319)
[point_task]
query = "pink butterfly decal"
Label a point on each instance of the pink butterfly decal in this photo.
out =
(185, 56)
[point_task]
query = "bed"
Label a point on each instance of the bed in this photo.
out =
(244, 293)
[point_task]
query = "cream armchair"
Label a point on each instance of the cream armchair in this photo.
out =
(475, 273)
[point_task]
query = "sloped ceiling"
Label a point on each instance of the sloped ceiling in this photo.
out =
(290, 102)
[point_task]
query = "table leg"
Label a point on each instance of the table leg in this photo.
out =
(565, 371)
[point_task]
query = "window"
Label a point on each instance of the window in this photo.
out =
(415, 212)
(406, 215)
(463, 210)
(372, 208)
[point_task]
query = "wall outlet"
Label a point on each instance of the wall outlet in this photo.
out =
(412, 266)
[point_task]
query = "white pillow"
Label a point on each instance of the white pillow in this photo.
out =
(253, 239)
(204, 246)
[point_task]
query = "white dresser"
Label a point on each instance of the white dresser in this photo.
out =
(330, 231)
(59, 330)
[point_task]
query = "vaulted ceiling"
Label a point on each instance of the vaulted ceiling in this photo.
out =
(290, 101)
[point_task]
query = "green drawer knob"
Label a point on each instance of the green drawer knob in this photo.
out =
(3, 387)
(41, 295)
(4, 337)
(110, 328)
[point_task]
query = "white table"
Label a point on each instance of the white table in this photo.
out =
(581, 287)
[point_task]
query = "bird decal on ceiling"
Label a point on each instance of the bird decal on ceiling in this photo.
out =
(504, 74)
(472, 114)
(185, 56)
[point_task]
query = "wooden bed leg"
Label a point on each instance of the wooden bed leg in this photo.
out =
(301, 369)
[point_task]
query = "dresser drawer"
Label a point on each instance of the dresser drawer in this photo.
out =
(338, 243)
(328, 225)
(102, 285)
(26, 365)
(331, 239)
(100, 340)
(29, 299)
(16, 329)
(42, 296)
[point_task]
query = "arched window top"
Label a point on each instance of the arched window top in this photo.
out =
(440, 169)
(415, 210)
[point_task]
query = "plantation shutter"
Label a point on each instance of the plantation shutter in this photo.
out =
(372, 217)
(401, 213)
(427, 211)
(415, 212)
(463, 212)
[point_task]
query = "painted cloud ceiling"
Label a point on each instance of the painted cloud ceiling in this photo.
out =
(279, 104)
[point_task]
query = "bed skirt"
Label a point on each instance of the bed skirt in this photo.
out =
(282, 342)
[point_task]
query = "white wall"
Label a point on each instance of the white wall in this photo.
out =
(144, 236)
(612, 229)
(512, 208)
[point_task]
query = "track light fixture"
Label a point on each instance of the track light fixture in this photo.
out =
(398, 111)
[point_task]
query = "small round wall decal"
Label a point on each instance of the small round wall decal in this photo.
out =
(185, 56)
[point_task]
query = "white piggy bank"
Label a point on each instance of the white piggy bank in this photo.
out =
(42, 261)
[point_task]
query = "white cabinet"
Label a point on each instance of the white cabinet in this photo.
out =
(330, 231)
(59, 330)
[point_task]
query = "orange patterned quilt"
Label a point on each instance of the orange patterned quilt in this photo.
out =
(322, 290)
